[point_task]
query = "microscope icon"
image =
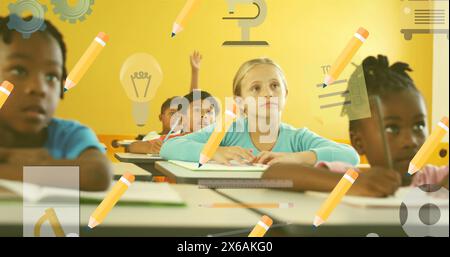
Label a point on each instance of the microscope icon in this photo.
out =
(247, 22)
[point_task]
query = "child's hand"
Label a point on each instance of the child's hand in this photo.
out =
(225, 154)
(196, 59)
(271, 158)
(153, 146)
(26, 156)
(376, 182)
(429, 175)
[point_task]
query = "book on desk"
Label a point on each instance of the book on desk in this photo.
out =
(213, 166)
(139, 193)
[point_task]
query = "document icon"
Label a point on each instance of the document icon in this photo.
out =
(49, 211)
(344, 97)
(424, 17)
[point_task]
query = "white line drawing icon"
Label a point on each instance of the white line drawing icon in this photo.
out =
(424, 17)
(247, 22)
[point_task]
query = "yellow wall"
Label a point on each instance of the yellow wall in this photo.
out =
(303, 35)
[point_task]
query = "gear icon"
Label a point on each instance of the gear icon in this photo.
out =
(420, 212)
(72, 13)
(26, 27)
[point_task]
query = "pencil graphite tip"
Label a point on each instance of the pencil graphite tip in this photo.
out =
(86, 229)
(324, 85)
(173, 34)
(92, 223)
(411, 169)
(200, 165)
(69, 84)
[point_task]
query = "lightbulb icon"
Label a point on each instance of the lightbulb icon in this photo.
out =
(140, 77)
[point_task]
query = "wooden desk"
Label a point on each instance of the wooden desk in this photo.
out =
(143, 161)
(189, 220)
(345, 220)
(140, 174)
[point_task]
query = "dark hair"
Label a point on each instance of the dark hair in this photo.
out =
(191, 97)
(166, 104)
(382, 79)
(194, 96)
(7, 36)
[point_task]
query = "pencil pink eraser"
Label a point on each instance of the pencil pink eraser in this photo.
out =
(363, 32)
(103, 36)
(7, 85)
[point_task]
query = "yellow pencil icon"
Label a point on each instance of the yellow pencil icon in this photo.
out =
(216, 137)
(429, 146)
(86, 60)
(249, 205)
(49, 215)
(111, 199)
(335, 197)
(183, 16)
(261, 227)
(5, 90)
(346, 56)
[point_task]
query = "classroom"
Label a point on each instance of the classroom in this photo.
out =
(224, 118)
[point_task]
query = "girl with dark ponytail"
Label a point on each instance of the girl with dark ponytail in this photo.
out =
(405, 120)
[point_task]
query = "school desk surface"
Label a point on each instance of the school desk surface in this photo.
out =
(192, 220)
(345, 220)
(119, 168)
(180, 175)
(143, 161)
(188, 220)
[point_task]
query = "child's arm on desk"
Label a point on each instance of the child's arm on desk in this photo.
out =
(309, 148)
(376, 182)
(151, 146)
(187, 147)
(143, 147)
(95, 169)
(432, 175)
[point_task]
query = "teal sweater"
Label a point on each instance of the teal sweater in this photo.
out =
(290, 140)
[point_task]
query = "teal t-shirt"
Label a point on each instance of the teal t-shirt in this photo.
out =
(290, 139)
(68, 139)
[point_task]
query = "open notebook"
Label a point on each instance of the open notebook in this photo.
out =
(388, 202)
(139, 193)
(211, 166)
(126, 142)
(139, 156)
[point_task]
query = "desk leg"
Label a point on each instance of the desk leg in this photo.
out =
(150, 167)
